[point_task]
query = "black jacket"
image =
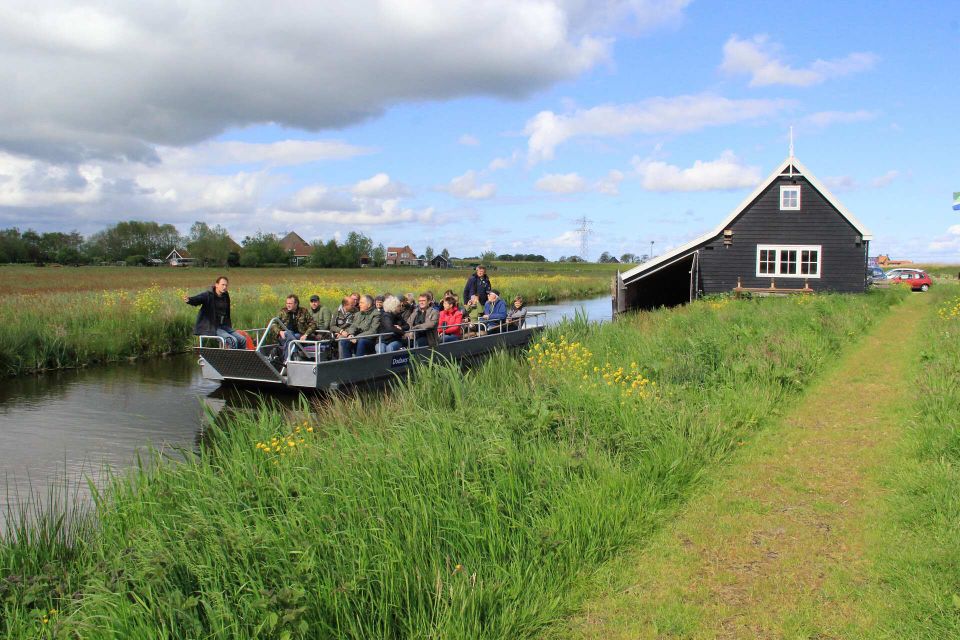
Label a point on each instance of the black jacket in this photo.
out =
(207, 320)
(387, 320)
(477, 286)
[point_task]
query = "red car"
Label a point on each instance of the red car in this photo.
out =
(917, 279)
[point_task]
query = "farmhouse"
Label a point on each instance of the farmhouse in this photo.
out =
(440, 262)
(790, 233)
(401, 256)
(296, 247)
(179, 257)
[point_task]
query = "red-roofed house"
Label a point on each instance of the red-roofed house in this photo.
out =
(298, 248)
(397, 256)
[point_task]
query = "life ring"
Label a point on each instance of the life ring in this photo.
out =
(251, 343)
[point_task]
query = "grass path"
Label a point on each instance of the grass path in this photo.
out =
(780, 545)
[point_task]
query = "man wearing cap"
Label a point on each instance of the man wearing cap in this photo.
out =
(494, 312)
(477, 285)
(321, 315)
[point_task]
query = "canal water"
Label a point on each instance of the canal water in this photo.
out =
(59, 429)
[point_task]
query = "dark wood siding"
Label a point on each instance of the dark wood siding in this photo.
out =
(817, 222)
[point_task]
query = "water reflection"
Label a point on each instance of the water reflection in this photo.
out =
(58, 429)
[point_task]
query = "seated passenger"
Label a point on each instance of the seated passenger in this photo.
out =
(297, 322)
(494, 312)
(471, 312)
(516, 315)
(393, 324)
(450, 319)
(321, 316)
(422, 323)
(343, 316)
(357, 339)
(378, 301)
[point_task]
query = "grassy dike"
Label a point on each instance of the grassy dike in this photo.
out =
(459, 506)
(53, 329)
(917, 580)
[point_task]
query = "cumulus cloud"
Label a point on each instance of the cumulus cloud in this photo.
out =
(823, 119)
(468, 140)
(561, 183)
(682, 114)
(31, 183)
(504, 163)
(369, 213)
(113, 80)
(276, 154)
(949, 243)
(726, 172)
(466, 186)
(565, 239)
(380, 186)
(760, 58)
(567, 183)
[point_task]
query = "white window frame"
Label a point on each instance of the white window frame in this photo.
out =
(784, 188)
(799, 248)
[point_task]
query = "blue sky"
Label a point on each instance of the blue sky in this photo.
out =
(475, 126)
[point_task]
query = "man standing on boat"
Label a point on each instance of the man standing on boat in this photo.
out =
(297, 322)
(478, 285)
(213, 317)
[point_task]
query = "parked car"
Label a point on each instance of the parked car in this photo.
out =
(875, 275)
(918, 279)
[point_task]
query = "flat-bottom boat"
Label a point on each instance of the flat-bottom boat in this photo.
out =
(306, 364)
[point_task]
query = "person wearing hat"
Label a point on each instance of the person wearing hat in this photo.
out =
(321, 315)
(494, 312)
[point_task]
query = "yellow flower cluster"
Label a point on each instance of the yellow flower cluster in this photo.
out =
(548, 357)
(950, 310)
(113, 299)
(280, 446)
(148, 301)
(718, 303)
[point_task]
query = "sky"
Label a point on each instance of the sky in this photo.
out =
(481, 125)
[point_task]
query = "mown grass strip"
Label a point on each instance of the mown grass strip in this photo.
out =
(459, 506)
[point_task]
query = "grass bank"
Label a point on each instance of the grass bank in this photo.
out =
(916, 590)
(459, 506)
(80, 316)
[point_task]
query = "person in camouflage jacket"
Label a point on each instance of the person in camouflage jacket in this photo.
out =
(297, 322)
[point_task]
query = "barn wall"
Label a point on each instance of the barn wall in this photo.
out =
(817, 222)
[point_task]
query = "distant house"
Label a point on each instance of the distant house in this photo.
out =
(439, 262)
(791, 233)
(884, 260)
(401, 256)
(296, 247)
(179, 258)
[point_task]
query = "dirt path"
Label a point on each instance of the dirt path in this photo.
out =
(777, 547)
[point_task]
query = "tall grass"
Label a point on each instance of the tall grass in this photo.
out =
(461, 505)
(919, 569)
(67, 329)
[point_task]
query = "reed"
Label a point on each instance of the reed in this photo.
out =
(460, 505)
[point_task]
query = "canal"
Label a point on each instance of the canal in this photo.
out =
(59, 429)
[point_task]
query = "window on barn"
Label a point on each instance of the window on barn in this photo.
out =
(790, 197)
(789, 261)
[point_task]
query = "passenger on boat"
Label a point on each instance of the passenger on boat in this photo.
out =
(393, 324)
(378, 301)
(517, 314)
(355, 340)
(423, 323)
(478, 284)
(356, 299)
(213, 316)
(433, 301)
(494, 312)
(450, 319)
(344, 315)
(321, 315)
(471, 312)
(296, 321)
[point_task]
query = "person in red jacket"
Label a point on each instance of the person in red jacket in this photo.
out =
(449, 327)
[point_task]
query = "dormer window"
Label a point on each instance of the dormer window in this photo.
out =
(790, 197)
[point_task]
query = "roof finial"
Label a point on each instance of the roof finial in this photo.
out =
(791, 142)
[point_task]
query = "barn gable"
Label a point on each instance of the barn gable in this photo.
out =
(791, 229)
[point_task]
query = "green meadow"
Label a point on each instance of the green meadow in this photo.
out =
(459, 505)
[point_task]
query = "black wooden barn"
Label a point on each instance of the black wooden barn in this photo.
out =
(790, 233)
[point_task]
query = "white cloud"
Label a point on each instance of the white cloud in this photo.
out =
(567, 183)
(949, 243)
(380, 186)
(546, 215)
(129, 76)
(468, 140)
(726, 172)
(277, 154)
(504, 163)
(32, 183)
(759, 58)
(561, 183)
(466, 186)
(823, 119)
(682, 114)
(565, 239)
(886, 179)
(371, 213)
(840, 183)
